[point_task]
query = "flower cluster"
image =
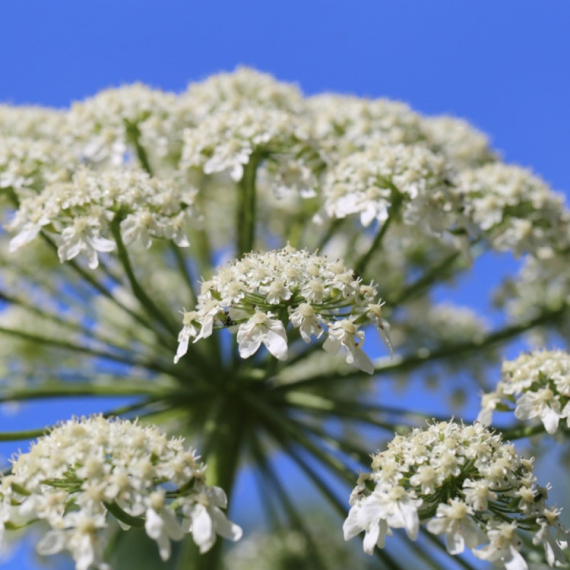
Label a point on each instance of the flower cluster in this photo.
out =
(461, 481)
(31, 122)
(371, 183)
(263, 292)
(458, 141)
(28, 165)
(516, 210)
(81, 212)
(539, 385)
(226, 141)
(343, 125)
(106, 128)
(85, 469)
(240, 89)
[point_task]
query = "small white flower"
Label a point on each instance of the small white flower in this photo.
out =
(304, 318)
(162, 525)
(262, 328)
(459, 528)
(346, 334)
(205, 519)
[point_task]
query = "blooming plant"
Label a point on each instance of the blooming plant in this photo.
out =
(226, 257)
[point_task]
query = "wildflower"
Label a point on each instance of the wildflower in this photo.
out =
(263, 292)
(100, 465)
(453, 478)
(538, 383)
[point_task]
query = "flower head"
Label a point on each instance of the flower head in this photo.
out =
(263, 292)
(81, 212)
(461, 481)
(538, 384)
(102, 466)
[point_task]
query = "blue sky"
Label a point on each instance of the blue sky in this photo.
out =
(502, 65)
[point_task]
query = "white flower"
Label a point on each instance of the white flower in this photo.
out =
(539, 383)
(83, 237)
(307, 290)
(205, 519)
(304, 318)
(540, 404)
(459, 528)
(454, 478)
(162, 525)
(346, 334)
(261, 328)
(94, 466)
(504, 546)
(80, 537)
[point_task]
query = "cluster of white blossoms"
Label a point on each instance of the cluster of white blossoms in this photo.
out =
(344, 124)
(86, 469)
(371, 183)
(228, 140)
(81, 212)
(538, 384)
(240, 89)
(461, 481)
(31, 122)
(516, 210)
(104, 128)
(263, 292)
(28, 165)
(458, 141)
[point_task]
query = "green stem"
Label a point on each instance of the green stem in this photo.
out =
(57, 319)
(184, 271)
(148, 304)
(246, 207)
(520, 432)
(363, 262)
(223, 458)
(133, 135)
(436, 274)
(415, 360)
(19, 435)
(276, 418)
(154, 366)
(123, 516)
(295, 518)
(102, 289)
(116, 389)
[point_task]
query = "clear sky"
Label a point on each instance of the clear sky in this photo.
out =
(504, 65)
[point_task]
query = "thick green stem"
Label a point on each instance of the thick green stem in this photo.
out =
(222, 456)
(246, 207)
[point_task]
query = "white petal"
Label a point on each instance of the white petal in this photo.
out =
(550, 419)
(153, 524)
(202, 530)
(351, 527)
(54, 541)
(517, 562)
(276, 343)
(454, 541)
(249, 346)
(371, 537)
(332, 345)
(225, 527)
